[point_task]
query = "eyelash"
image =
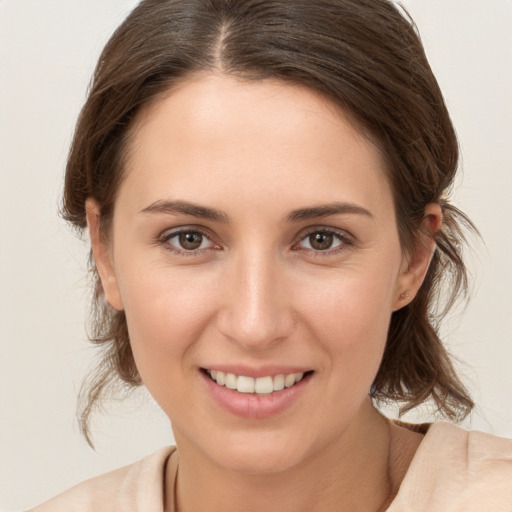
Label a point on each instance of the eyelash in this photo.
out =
(346, 242)
(165, 238)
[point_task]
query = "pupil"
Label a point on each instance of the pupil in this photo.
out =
(190, 241)
(321, 241)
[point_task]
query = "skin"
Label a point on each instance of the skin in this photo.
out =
(257, 291)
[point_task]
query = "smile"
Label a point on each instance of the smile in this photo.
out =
(259, 386)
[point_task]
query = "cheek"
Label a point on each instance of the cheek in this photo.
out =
(166, 313)
(350, 317)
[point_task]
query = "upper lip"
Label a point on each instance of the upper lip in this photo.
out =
(255, 372)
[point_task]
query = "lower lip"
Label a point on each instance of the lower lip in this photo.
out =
(251, 406)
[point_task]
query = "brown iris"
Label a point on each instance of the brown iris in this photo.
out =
(190, 241)
(321, 241)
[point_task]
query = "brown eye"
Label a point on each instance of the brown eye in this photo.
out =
(187, 241)
(324, 241)
(321, 241)
(190, 241)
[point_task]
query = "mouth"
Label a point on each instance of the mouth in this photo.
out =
(256, 386)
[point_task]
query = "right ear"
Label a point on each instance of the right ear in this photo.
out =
(102, 255)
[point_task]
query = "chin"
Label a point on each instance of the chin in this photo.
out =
(254, 459)
(260, 452)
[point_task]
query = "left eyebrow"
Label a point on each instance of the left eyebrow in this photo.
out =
(324, 210)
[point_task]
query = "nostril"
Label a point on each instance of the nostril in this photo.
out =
(254, 329)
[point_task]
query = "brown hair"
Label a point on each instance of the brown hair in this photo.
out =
(366, 56)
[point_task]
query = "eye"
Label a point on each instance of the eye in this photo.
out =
(324, 240)
(187, 241)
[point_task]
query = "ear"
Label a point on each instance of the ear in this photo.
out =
(102, 255)
(415, 265)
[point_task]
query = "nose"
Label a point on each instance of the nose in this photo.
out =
(258, 309)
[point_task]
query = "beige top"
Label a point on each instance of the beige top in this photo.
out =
(452, 471)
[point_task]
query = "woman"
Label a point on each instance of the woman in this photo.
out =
(264, 185)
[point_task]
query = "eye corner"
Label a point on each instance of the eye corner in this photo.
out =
(188, 241)
(334, 240)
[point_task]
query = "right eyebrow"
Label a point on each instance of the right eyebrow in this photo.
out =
(183, 207)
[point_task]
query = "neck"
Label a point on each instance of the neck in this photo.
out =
(352, 473)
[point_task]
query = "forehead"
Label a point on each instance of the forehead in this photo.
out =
(215, 137)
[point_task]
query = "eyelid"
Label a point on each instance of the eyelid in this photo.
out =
(166, 235)
(348, 241)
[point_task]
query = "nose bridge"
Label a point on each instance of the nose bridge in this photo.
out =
(257, 312)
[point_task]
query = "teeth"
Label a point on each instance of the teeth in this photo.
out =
(264, 385)
(289, 380)
(278, 382)
(245, 384)
(260, 385)
(230, 381)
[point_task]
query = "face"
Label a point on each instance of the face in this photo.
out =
(253, 245)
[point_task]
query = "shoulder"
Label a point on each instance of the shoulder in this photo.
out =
(456, 470)
(120, 490)
(475, 453)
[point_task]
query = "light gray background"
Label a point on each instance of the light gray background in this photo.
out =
(47, 53)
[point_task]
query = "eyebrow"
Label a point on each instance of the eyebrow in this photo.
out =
(194, 210)
(316, 212)
(203, 212)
